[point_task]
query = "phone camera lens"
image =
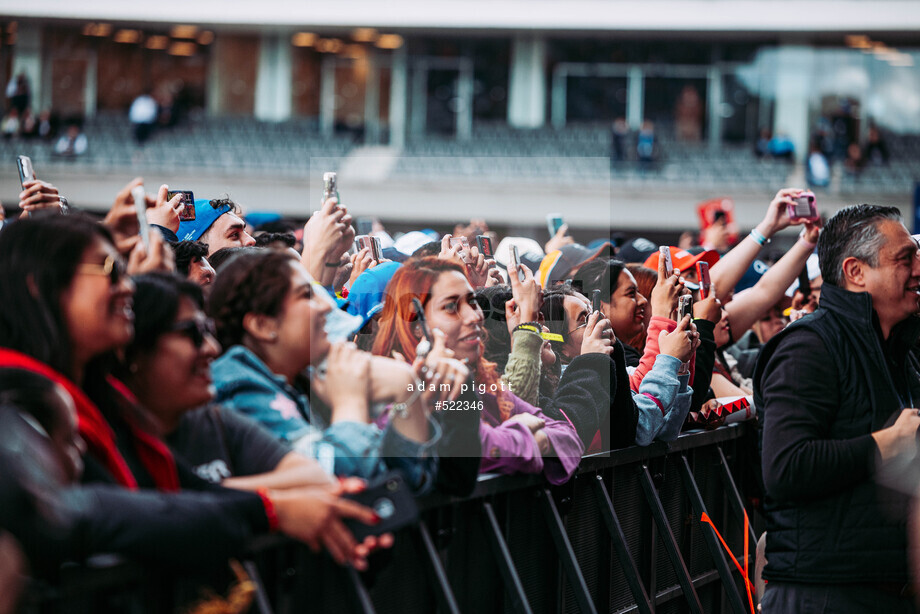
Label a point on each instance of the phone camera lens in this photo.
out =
(384, 508)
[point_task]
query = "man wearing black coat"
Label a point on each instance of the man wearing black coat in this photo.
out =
(837, 392)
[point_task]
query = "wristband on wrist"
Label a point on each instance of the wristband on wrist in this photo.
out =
(759, 238)
(533, 327)
(270, 512)
(806, 241)
(333, 265)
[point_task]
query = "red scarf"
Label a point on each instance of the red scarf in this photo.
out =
(99, 437)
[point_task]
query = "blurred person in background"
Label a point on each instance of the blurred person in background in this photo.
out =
(143, 116)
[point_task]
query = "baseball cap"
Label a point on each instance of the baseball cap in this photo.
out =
(205, 216)
(558, 264)
(682, 259)
(365, 297)
(636, 250)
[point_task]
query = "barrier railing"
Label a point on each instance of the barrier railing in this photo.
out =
(626, 534)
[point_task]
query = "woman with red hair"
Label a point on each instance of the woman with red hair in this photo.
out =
(516, 436)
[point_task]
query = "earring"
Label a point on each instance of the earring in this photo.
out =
(274, 335)
(133, 368)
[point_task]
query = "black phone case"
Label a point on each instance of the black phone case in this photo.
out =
(391, 500)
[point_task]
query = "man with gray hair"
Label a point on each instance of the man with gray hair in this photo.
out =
(837, 392)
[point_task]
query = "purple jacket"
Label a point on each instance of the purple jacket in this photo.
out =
(511, 448)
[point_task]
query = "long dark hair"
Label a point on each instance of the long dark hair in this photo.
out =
(38, 261)
(497, 340)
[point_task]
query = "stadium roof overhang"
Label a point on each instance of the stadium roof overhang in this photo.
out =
(735, 16)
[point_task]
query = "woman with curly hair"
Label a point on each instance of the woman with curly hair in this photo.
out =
(516, 436)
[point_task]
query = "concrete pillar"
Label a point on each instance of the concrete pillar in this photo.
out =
(27, 58)
(419, 114)
(794, 71)
(92, 77)
(273, 80)
(465, 99)
(527, 82)
(635, 97)
(714, 106)
(399, 82)
(327, 96)
(371, 100)
(559, 92)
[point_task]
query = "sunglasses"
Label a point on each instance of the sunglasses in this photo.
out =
(195, 330)
(113, 268)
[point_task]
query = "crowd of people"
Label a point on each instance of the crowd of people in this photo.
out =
(170, 398)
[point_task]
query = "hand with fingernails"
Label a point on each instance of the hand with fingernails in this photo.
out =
(598, 336)
(679, 343)
(666, 291)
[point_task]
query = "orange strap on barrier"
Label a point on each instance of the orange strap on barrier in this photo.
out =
(748, 585)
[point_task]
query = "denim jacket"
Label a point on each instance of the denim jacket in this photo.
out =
(663, 400)
(245, 384)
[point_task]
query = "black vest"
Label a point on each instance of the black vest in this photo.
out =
(858, 534)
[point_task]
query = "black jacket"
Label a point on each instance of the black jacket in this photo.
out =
(594, 395)
(822, 387)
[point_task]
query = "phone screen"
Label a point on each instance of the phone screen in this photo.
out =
(516, 263)
(554, 222)
(485, 245)
(702, 272)
(187, 212)
(685, 307)
(26, 172)
(665, 252)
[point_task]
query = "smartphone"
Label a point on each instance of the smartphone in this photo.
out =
(702, 273)
(330, 187)
(595, 301)
(554, 222)
(665, 252)
(365, 242)
(364, 225)
(516, 263)
(485, 246)
(464, 248)
(804, 283)
(420, 316)
(26, 172)
(376, 248)
(684, 307)
(391, 500)
(140, 207)
(804, 207)
(187, 212)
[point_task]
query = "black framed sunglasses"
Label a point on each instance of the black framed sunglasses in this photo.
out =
(195, 330)
(113, 268)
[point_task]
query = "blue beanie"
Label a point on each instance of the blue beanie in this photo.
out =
(205, 216)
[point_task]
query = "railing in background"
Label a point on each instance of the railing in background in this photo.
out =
(623, 536)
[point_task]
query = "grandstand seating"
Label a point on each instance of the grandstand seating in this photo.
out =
(496, 153)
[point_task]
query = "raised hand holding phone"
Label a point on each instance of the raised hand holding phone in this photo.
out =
(702, 273)
(140, 207)
(667, 289)
(599, 336)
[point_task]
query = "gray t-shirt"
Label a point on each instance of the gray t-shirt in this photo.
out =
(218, 443)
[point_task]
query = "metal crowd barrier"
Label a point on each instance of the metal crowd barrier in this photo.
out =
(624, 535)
